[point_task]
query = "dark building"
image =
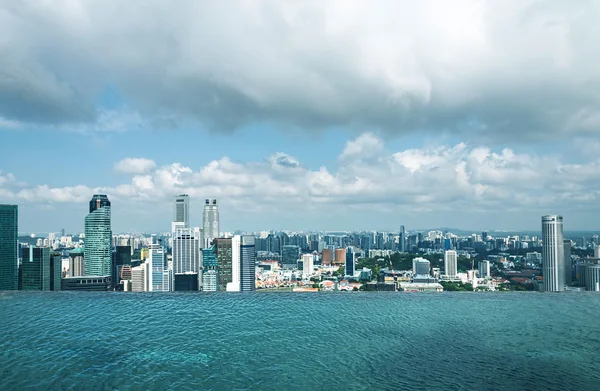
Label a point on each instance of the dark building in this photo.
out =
(87, 283)
(55, 271)
(121, 257)
(185, 282)
(247, 263)
(9, 262)
(569, 267)
(223, 252)
(35, 269)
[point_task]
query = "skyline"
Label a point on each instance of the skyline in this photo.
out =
(319, 116)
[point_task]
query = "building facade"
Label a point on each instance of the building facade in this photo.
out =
(98, 238)
(553, 261)
(210, 222)
(9, 256)
(247, 263)
(181, 210)
(484, 269)
(350, 262)
(223, 251)
(35, 268)
(289, 256)
(450, 263)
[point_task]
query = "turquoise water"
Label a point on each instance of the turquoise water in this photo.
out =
(287, 341)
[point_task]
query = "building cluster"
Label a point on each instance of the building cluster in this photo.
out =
(205, 259)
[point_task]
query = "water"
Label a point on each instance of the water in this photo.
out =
(301, 341)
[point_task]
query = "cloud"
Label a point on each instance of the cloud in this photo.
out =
(503, 70)
(135, 165)
(470, 182)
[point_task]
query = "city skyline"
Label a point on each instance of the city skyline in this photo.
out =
(426, 122)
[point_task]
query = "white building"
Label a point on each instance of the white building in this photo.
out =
(234, 285)
(308, 264)
(138, 278)
(553, 260)
(450, 263)
(209, 281)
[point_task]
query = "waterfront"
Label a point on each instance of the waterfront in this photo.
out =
(274, 341)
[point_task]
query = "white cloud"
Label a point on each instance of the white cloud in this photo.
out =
(135, 165)
(463, 179)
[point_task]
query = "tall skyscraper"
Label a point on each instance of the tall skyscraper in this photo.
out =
(98, 238)
(9, 257)
(450, 263)
(35, 269)
(234, 285)
(186, 250)
(181, 210)
(247, 263)
(210, 221)
(402, 240)
(159, 280)
(223, 251)
(350, 262)
(553, 257)
(55, 271)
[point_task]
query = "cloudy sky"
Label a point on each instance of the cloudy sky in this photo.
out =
(302, 115)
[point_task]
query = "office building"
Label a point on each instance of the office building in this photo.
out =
(181, 210)
(289, 256)
(210, 221)
(186, 250)
(159, 280)
(209, 280)
(76, 264)
(592, 277)
(55, 271)
(350, 262)
(402, 240)
(98, 238)
(484, 269)
(568, 261)
(138, 278)
(121, 257)
(247, 263)
(308, 264)
(210, 265)
(450, 263)
(421, 267)
(9, 256)
(553, 263)
(223, 251)
(35, 268)
(234, 285)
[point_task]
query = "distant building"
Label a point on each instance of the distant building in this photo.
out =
(247, 263)
(450, 263)
(76, 264)
(592, 278)
(568, 262)
(340, 256)
(209, 281)
(308, 264)
(223, 250)
(9, 256)
(159, 278)
(35, 268)
(55, 271)
(98, 237)
(327, 257)
(210, 265)
(289, 256)
(484, 269)
(402, 240)
(210, 220)
(138, 278)
(350, 267)
(181, 210)
(234, 285)
(86, 283)
(121, 257)
(553, 261)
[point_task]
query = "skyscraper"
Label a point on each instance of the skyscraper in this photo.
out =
(289, 256)
(402, 240)
(350, 265)
(35, 269)
(186, 250)
(568, 262)
(181, 210)
(223, 251)
(210, 221)
(98, 238)
(158, 276)
(55, 271)
(553, 261)
(234, 285)
(484, 269)
(450, 263)
(9, 258)
(247, 263)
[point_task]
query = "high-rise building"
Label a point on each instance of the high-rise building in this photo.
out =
(9, 256)
(450, 263)
(402, 240)
(247, 263)
(350, 262)
(553, 262)
(484, 269)
(326, 257)
(139, 278)
(121, 257)
(181, 210)
(289, 256)
(568, 261)
(223, 251)
(234, 285)
(592, 277)
(55, 271)
(186, 250)
(98, 238)
(76, 264)
(339, 256)
(210, 221)
(210, 265)
(158, 276)
(35, 269)
(308, 264)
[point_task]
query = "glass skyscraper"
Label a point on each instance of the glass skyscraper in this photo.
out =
(247, 263)
(223, 251)
(9, 262)
(35, 269)
(181, 210)
(98, 236)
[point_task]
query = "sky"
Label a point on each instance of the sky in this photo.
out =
(302, 115)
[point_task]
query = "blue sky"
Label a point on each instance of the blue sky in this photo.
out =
(300, 116)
